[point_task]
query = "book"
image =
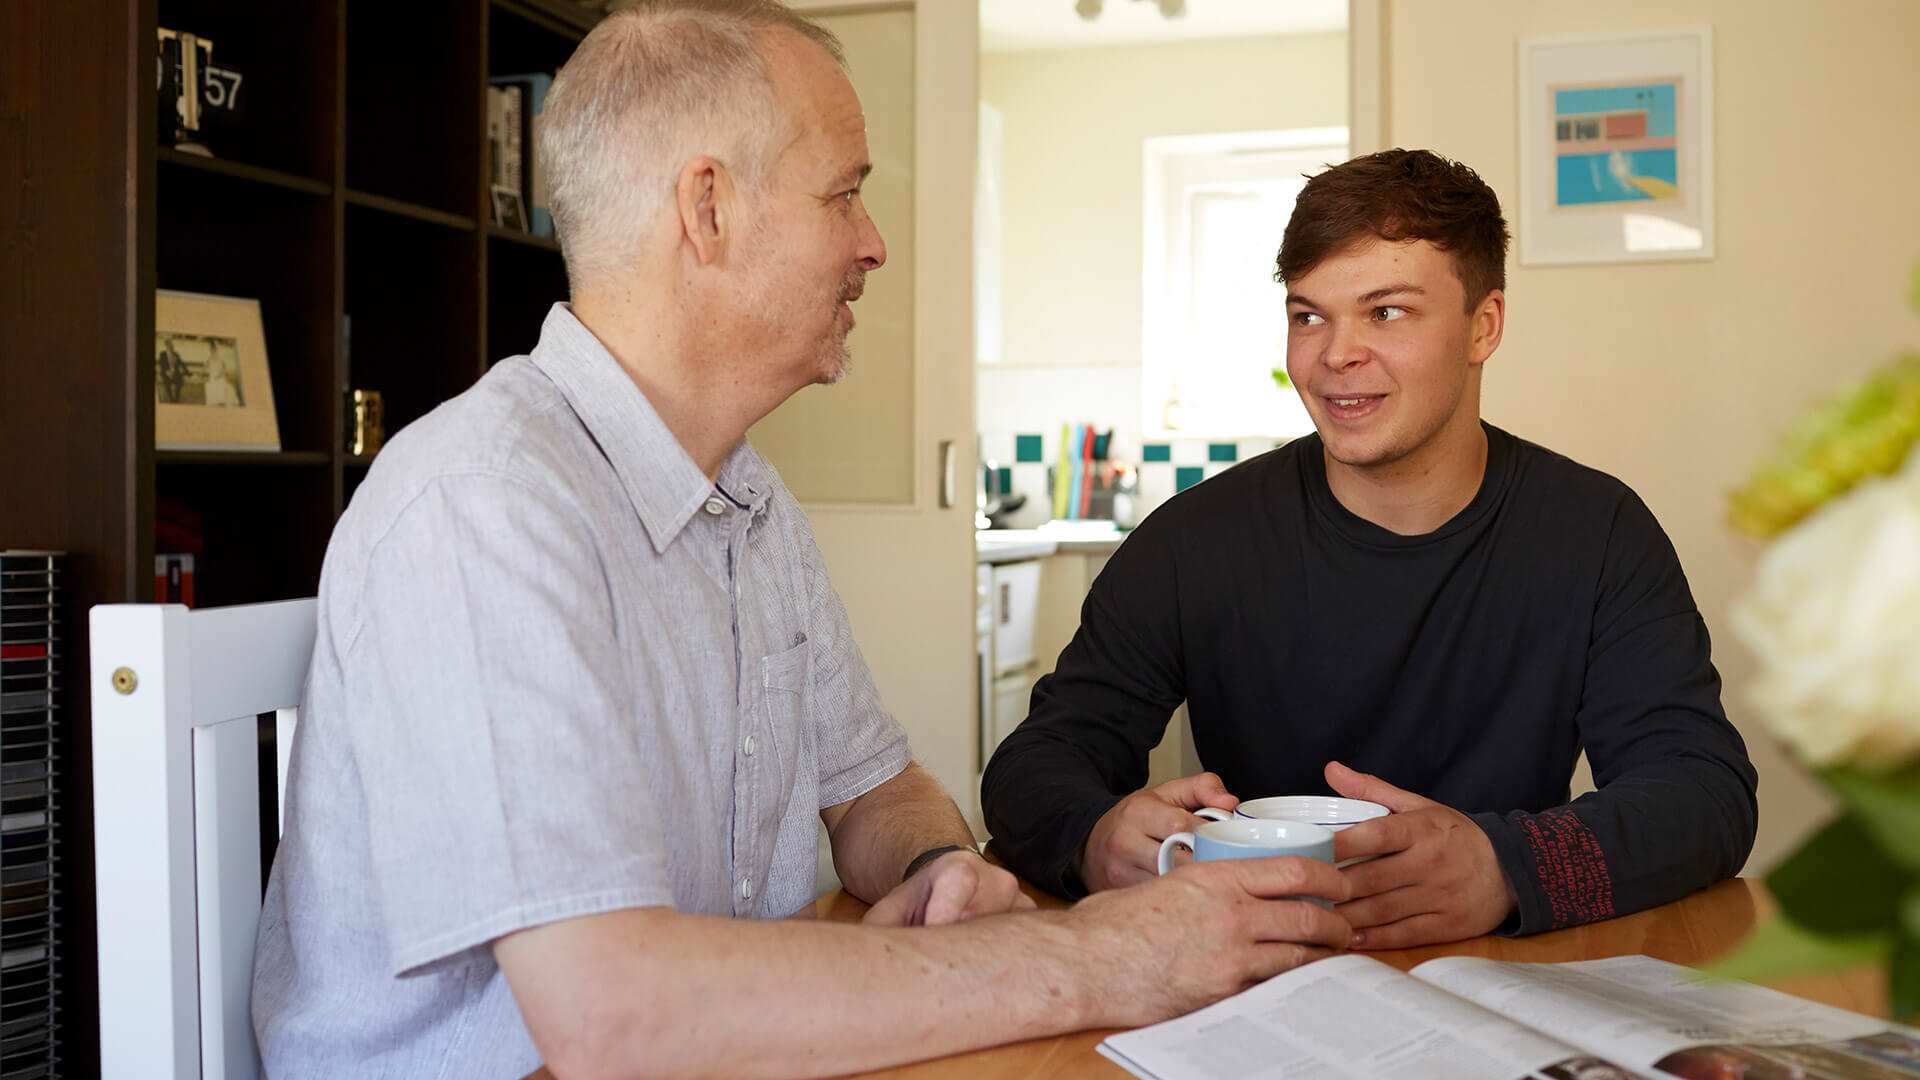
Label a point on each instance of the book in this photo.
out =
(1462, 1016)
(506, 172)
(496, 135)
(533, 89)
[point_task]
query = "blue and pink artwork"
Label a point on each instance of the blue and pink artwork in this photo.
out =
(1616, 143)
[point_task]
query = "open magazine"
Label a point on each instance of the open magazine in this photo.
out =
(1463, 1017)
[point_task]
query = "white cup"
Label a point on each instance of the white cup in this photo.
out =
(1330, 812)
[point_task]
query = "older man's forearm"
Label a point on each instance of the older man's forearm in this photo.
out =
(876, 835)
(598, 1001)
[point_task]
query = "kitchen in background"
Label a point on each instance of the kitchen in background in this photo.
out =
(1136, 171)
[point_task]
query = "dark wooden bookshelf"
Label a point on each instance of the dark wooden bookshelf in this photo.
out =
(350, 200)
(168, 156)
(515, 236)
(221, 459)
(404, 209)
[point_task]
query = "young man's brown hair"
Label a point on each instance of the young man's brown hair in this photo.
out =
(1400, 195)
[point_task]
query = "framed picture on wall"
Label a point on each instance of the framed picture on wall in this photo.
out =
(1616, 147)
(211, 386)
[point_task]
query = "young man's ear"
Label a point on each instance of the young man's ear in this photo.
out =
(1489, 322)
(705, 201)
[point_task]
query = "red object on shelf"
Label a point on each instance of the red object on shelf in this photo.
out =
(37, 651)
(173, 579)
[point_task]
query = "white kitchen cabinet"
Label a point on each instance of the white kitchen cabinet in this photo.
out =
(1016, 607)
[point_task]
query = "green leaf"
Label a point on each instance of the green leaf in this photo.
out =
(1903, 976)
(1777, 949)
(1889, 806)
(1280, 379)
(1840, 881)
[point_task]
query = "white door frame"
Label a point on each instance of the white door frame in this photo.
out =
(946, 70)
(906, 569)
(1367, 100)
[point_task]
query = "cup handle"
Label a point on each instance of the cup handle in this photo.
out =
(1179, 839)
(1212, 813)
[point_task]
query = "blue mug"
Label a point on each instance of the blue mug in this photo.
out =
(1251, 838)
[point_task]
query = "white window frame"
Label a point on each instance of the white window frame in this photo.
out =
(1171, 163)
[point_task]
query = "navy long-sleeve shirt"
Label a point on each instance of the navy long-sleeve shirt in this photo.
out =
(1471, 665)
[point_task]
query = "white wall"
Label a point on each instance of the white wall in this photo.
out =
(1678, 377)
(1071, 199)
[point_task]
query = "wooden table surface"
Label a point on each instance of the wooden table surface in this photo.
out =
(1692, 931)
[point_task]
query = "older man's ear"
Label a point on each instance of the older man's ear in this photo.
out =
(706, 200)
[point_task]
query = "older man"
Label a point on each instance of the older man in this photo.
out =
(581, 685)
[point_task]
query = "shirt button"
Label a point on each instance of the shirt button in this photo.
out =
(746, 888)
(747, 747)
(714, 506)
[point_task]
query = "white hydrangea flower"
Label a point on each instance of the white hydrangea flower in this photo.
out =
(1834, 616)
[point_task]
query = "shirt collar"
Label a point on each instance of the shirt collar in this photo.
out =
(659, 477)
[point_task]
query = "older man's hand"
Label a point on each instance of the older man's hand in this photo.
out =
(1433, 877)
(953, 888)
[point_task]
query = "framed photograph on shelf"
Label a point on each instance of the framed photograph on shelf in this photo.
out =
(211, 385)
(1616, 147)
(509, 210)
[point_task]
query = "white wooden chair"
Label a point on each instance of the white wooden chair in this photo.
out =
(176, 817)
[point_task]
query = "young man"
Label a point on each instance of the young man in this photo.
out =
(1410, 592)
(582, 693)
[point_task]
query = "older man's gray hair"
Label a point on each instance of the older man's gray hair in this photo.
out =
(652, 87)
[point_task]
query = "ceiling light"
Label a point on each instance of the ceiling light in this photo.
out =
(1089, 10)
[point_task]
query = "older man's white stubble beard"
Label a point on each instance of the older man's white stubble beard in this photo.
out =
(827, 359)
(839, 363)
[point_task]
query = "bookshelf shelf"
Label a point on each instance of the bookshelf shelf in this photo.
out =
(563, 19)
(240, 171)
(542, 243)
(243, 460)
(406, 209)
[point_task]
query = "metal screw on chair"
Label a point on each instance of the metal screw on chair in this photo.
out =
(124, 680)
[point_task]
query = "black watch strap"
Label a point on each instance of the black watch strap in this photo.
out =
(931, 854)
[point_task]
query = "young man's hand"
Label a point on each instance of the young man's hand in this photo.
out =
(1124, 846)
(1434, 877)
(953, 888)
(1207, 930)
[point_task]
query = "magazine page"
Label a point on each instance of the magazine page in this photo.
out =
(1652, 1015)
(1348, 1016)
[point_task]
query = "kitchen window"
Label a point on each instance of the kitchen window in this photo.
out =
(1214, 323)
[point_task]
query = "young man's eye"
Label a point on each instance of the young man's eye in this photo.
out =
(1388, 313)
(1306, 318)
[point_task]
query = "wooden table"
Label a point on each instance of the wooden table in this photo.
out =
(1692, 931)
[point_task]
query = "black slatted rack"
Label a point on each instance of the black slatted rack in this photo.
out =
(30, 661)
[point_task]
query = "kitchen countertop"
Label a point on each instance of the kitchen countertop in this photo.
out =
(1054, 538)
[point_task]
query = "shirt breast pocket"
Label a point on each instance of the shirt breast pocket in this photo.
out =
(786, 702)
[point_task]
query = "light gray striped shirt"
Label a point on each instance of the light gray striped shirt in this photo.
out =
(559, 672)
